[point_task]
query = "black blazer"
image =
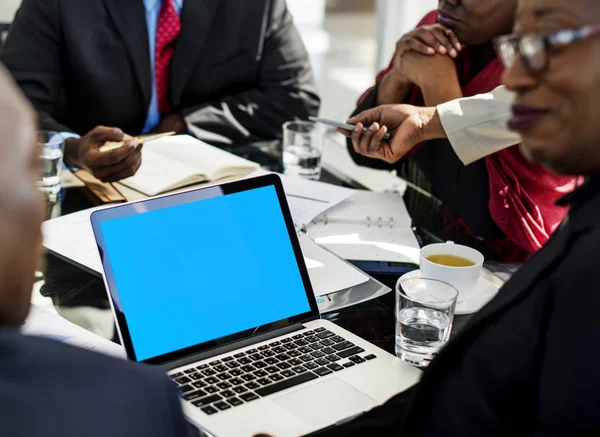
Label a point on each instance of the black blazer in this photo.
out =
(239, 69)
(527, 364)
(53, 390)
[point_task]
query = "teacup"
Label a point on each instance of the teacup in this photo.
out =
(464, 278)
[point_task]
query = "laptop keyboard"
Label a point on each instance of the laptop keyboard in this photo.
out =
(246, 376)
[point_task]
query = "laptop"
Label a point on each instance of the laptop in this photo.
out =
(211, 285)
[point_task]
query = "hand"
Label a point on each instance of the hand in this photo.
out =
(409, 125)
(428, 40)
(110, 166)
(425, 41)
(423, 71)
(171, 123)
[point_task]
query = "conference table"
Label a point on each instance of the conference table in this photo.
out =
(366, 310)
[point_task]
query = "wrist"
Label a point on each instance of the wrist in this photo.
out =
(437, 91)
(432, 124)
(393, 88)
(72, 146)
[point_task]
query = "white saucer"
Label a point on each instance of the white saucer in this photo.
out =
(473, 301)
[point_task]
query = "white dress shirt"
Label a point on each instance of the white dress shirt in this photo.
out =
(476, 126)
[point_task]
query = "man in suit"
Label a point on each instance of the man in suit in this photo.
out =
(47, 388)
(229, 71)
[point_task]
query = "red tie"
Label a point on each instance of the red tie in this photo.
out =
(167, 30)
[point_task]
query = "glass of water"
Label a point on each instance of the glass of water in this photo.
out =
(424, 314)
(51, 149)
(302, 149)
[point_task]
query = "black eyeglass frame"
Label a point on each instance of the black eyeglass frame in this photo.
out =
(509, 47)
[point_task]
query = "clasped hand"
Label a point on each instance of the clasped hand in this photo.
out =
(424, 58)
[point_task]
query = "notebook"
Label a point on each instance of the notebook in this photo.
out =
(175, 162)
(368, 227)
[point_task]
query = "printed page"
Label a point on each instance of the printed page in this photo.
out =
(362, 243)
(71, 237)
(327, 272)
(43, 323)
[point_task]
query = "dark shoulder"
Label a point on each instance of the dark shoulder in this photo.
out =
(96, 394)
(27, 351)
(578, 271)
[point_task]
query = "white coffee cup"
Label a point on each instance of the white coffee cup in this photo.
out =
(463, 279)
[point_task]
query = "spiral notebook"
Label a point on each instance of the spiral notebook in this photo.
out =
(368, 227)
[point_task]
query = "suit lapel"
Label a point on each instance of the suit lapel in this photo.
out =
(130, 19)
(196, 22)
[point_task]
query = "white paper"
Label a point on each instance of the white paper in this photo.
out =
(308, 199)
(368, 244)
(368, 227)
(71, 236)
(327, 272)
(168, 162)
(386, 209)
(43, 323)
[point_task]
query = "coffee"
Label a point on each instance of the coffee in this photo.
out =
(450, 260)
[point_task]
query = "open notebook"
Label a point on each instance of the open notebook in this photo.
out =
(368, 226)
(175, 162)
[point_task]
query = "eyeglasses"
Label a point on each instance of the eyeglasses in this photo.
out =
(533, 49)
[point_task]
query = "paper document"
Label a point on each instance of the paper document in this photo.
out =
(327, 272)
(43, 323)
(308, 199)
(368, 227)
(71, 237)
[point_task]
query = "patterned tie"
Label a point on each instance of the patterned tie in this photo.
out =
(167, 30)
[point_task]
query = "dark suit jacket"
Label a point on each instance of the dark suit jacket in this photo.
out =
(527, 364)
(53, 390)
(239, 69)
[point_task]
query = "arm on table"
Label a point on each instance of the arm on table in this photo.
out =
(285, 90)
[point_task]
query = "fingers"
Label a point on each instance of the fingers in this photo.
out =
(453, 39)
(368, 117)
(378, 139)
(122, 170)
(344, 132)
(102, 134)
(418, 45)
(357, 136)
(446, 45)
(96, 158)
(365, 142)
(430, 40)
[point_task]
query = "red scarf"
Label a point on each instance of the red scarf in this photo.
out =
(523, 194)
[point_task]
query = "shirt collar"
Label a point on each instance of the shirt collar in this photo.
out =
(150, 5)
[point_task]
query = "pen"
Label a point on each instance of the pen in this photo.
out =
(112, 145)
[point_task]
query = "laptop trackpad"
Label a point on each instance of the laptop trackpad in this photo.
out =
(326, 403)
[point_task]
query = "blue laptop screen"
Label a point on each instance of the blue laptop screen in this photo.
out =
(195, 272)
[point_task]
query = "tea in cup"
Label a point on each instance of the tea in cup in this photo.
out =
(457, 265)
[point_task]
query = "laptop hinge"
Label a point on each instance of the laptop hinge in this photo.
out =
(232, 347)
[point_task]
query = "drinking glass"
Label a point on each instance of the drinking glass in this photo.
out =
(424, 314)
(51, 148)
(302, 149)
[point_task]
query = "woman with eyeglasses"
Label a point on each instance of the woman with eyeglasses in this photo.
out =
(503, 201)
(527, 363)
